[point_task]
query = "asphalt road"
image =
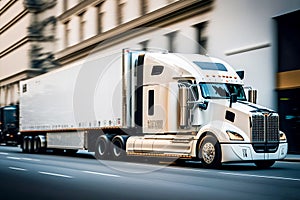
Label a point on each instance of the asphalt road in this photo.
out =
(50, 176)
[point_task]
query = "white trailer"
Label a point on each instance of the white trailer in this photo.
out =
(143, 103)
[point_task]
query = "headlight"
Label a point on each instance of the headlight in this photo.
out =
(234, 135)
(282, 136)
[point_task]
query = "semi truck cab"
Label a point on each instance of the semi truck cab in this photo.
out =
(194, 106)
(9, 125)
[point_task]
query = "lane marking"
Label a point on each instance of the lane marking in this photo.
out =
(30, 159)
(17, 168)
(18, 158)
(291, 162)
(102, 174)
(54, 174)
(194, 170)
(159, 167)
(13, 158)
(3, 153)
(259, 176)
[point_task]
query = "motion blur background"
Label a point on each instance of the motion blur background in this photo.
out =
(260, 37)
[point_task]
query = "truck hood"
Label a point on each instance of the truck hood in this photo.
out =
(248, 107)
(237, 118)
(242, 106)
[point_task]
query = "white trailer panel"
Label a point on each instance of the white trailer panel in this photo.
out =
(66, 140)
(82, 96)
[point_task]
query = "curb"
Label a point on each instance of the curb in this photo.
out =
(291, 160)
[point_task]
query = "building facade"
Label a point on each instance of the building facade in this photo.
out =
(129, 23)
(259, 37)
(15, 43)
(26, 38)
(262, 37)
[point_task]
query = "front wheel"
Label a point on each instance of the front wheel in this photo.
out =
(264, 164)
(209, 152)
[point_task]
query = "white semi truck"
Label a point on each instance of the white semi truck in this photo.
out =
(145, 103)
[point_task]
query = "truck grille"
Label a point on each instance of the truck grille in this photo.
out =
(265, 132)
(258, 128)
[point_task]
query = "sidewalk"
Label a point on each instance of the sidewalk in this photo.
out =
(292, 158)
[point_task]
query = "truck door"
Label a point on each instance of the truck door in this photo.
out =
(138, 118)
(155, 113)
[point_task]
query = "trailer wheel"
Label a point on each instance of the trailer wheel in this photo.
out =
(25, 144)
(36, 145)
(119, 147)
(264, 164)
(102, 147)
(209, 152)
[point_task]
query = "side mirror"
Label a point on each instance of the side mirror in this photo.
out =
(233, 99)
(241, 74)
(203, 106)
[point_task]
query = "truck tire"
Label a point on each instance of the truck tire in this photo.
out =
(119, 147)
(27, 144)
(264, 164)
(209, 152)
(102, 147)
(36, 145)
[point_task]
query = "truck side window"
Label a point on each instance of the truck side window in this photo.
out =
(151, 102)
(157, 70)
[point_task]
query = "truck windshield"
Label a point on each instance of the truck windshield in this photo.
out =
(222, 91)
(10, 116)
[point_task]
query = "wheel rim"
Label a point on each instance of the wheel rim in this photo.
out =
(102, 147)
(208, 153)
(29, 145)
(25, 145)
(117, 148)
(36, 145)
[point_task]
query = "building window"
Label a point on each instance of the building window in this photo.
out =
(99, 19)
(144, 7)
(171, 39)
(65, 5)
(81, 25)
(66, 33)
(120, 11)
(144, 44)
(201, 29)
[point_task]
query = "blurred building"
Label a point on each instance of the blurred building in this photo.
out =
(260, 37)
(26, 43)
(113, 25)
